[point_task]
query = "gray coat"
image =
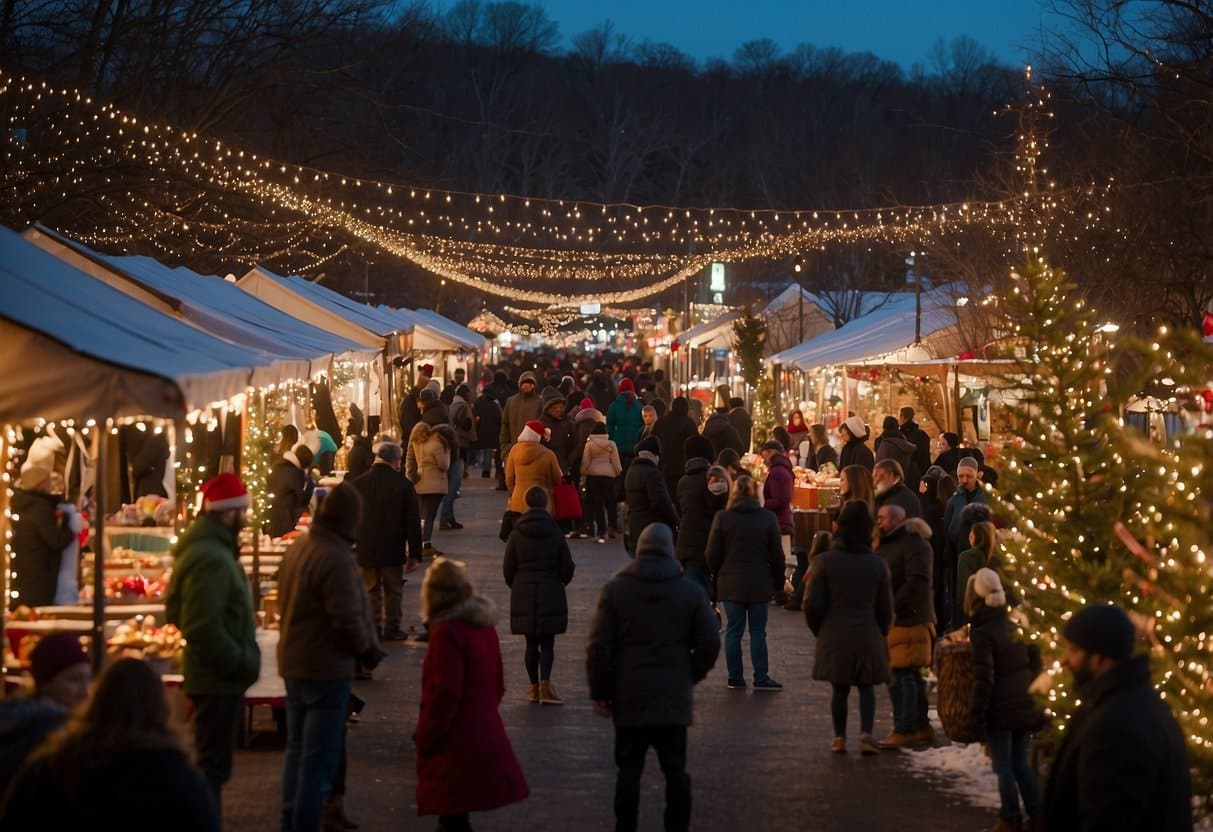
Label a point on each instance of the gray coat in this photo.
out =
(653, 637)
(908, 554)
(745, 553)
(849, 607)
(537, 567)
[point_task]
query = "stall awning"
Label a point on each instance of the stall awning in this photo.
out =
(292, 298)
(432, 331)
(885, 335)
(77, 348)
(716, 333)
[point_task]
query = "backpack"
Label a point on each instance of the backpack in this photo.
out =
(954, 692)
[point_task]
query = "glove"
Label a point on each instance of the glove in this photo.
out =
(371, 658)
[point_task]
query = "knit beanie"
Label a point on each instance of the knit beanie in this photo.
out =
(1102, 628)
(988, 587)
(53, 654)
(586, 404)
(698, 447)
(626, 386)
(656, 539)
(967, 462)
(651, 444)
(341, 511)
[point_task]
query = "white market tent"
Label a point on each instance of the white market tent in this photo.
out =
(432, 331)
(715, 334)
(77, 348)
(210, 303)
(282, 294)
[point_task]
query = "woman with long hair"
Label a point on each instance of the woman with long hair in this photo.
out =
(980, 554)
(823, 451)
(855, 485)
(122, 736)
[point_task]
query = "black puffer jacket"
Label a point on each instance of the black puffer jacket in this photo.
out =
(37, 544)
(537, 567)
(360, 457)
(647, 498)
(849, 607)
(856, 452)
(390, 532)
(722, 434)
(1122, 763)
(907, 552)
(653, 637)
(1003, 669)
(673, 429)
(290, 490)
(745, 553)
(696, 508)
(893, 445)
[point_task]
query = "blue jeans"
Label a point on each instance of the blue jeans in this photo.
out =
(738, 614)
(454, 480)
(315, 726)
(908, 690)
(1009, 757)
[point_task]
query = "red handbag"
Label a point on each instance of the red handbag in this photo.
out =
(566, 502)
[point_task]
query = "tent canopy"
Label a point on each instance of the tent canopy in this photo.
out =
(885, 334)
(716, 333)
(432, 331)
(292, 298)
(77, 348)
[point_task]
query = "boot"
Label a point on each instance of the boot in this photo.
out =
(548, 695)
(534, 695)
(1004, 825)
(334, 815)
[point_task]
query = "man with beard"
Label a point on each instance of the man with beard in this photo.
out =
(208, 600)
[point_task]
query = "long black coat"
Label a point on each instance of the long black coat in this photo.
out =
(148, 464)
(38, 542)
(849, 607)
(856, 452)
(696, 509)
(720, 431)
(647, 498)
(922, 447)
(537, 568)
(360, 458)
(907, 552)
(1122, 763)
(488, 420)
(673, 429)
(745, 553)
(740, 419)
(290, 492)
(390, 532)
(654, 636)
(901, 495)
(1004, 668)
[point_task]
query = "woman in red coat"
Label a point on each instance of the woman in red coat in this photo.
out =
(464, 759)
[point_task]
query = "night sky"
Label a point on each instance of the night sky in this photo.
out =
(899, 30)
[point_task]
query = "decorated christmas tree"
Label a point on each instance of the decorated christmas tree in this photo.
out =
(1097, 513)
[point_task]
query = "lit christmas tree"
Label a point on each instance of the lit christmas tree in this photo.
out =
(1080, 490)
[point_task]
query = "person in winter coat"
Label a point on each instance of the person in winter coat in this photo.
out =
(389, 538)
(673, 430)
(290, 486)
(584, 420)
(147, 466)
(360, 457)
(854, 433)
(951, 453)
(410, 408)
(600, 391)
(561, 435)
(935, 490)
(124, 735)
(701, 493)
(653, 638)
(61, 671)
(906, 549)
(524, 406)
(464, 759)
(747, 563)
(645, 493)
(720, 431)
(433, 411)
(823, 451)
(600, 468)
(777, 487)
(849, 607)
(625, 422)
(891, 489)
(797, 429)
(488, 431)
(966, 506)
(1003, 670)
(537, 568)
(530, 463)
(208, 600)
(463, 423)
(1122, 762)
(458, 376)
(41, 531)
(915, 434)
(427, 461)
(740, 419)
(892, 445)
(855, 485)
(324, 627)
(982, 541)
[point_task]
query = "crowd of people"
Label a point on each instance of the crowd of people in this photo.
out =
(909, 556)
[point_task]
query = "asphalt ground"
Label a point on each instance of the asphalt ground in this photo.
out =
(758, 761)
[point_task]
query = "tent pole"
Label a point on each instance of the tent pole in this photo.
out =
(99, 546)
(4, 525)
(244, 426)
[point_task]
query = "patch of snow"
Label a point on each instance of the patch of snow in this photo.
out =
(961, 770)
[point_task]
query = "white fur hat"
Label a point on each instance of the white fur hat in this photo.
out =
(856, 427)
(988, 587)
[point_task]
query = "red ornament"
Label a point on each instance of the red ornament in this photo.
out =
(1207, 324)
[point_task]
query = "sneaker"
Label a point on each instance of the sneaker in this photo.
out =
(736, 684)
(767, 684)
(896, 740)
(867, 745)
(602, 540)
(839, 745)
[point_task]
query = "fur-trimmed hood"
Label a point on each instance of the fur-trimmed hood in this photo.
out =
(423, 431)
(918, 526)
(589, 414)
(476, 610)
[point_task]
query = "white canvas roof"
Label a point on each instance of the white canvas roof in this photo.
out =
(883, 335)
(716, 333)
(77, 348)
(433, 331)
(282, 294)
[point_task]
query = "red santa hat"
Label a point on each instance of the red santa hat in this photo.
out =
(626, 386)
(224, 492)
(534, 431)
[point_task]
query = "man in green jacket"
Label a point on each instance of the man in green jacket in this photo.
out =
(208, 599)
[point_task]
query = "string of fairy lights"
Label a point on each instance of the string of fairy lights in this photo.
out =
(62, 145)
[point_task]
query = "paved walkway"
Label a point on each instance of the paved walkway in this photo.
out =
(757, 761)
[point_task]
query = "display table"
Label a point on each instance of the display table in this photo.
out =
(113, 612)
(806, 524)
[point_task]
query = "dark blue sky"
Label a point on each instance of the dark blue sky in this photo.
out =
(898, 30)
